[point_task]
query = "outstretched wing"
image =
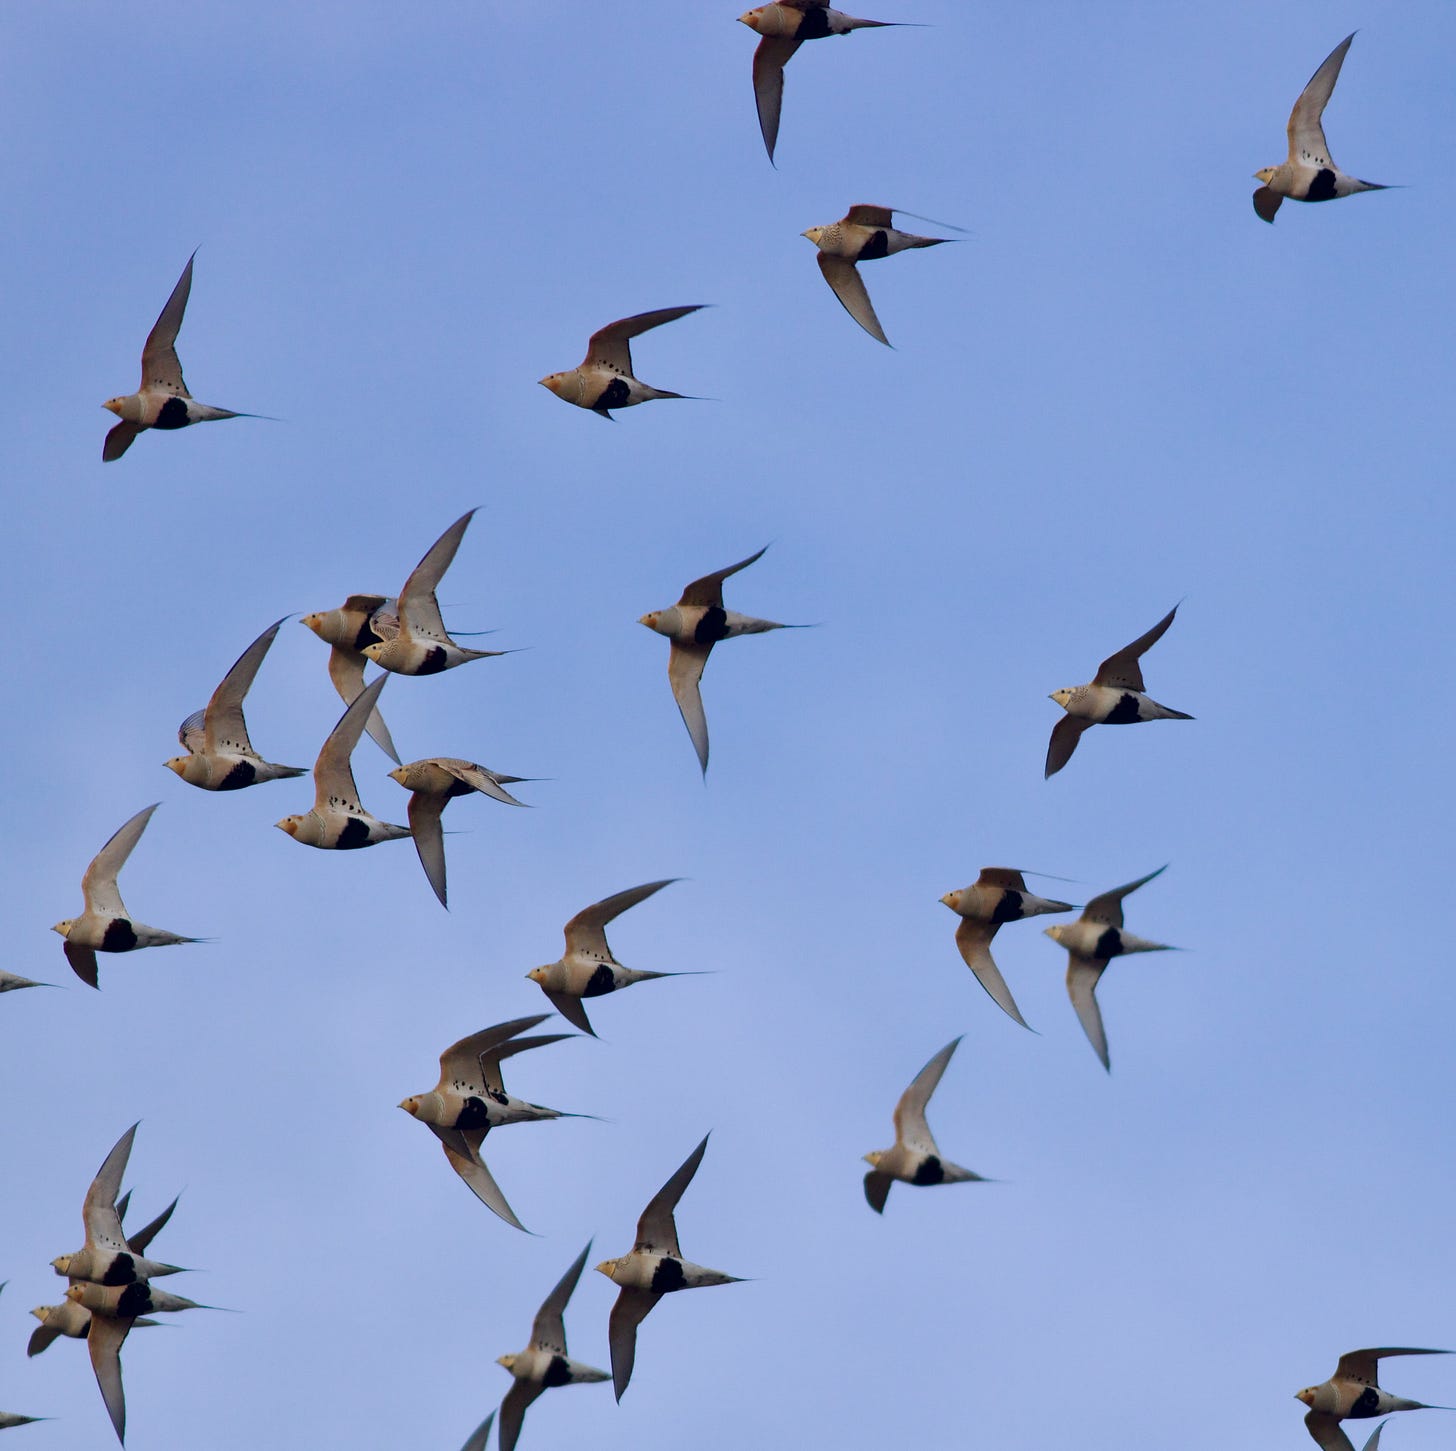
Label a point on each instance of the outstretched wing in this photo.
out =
(1307, 143)
(1082, 976)
(609, 346)
(98, 886)
(973, 937)
(1107, 909)
(586, 932)
(548, 1332)
(709, 589)
(911, 1129)
(419, 612)
(843, 276)
(1123, 671)
(773, 53)
(684, 670)
(223, 722)
(656, 1230)
(1065, 735)
(160, 367)
(333, 776)
(627, 1314)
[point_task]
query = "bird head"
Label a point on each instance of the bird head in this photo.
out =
(1062, 696)
(952, 900)
(113, 405)
(1267, 175)
(62, 1263)
(290, 824)
(372, 651)
(179, 765)
(813, 234)
(608, 1268)
(397, 775)
(538, 974)
(561, 384)
(1306, 1395)
(666, 622)
(1055, 933)
(76, 1294)
(64, 928)
(43, 1312)
(411, 1106)
(873, 1158)
(771, 20)
(508, 1361)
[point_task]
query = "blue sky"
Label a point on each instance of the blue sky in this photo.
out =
(1118, 391)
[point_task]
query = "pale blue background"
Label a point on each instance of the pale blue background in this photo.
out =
(1119, 391)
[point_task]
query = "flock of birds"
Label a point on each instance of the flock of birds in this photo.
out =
(109, 1279)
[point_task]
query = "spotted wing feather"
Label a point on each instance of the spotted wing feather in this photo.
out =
(548, 1332)
(1107, 908)
(709, 589)
(98, 886)
(160, 366)
(609, 347)
(1123, 670)
(419, 612)
(911, 1129)
(657, 1230)
(1307, 143)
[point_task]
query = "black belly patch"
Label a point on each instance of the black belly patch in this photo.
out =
(600, 983)
(1125, 712)
(667, 1277)
(355, 834)
(173, 414)
(243, 774)
(877, 246)
(814, 25)
(475, 1115)
(1008, 909)
(434, 661)
(119, 936)
(135, 1300)
(121, 1271)
(365, 637)
(1322, 189)
(1368, 1401)
(558, 1373)
(712, 627)
(930, 1172)
(615, 395)
(1109, 944)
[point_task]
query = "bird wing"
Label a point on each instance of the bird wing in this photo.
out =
(1326, 1431)
(843, 276)
(1363, 1365)
(627, 1314)
(192, 733)
(608, 347)
(1122, 670)
(863, 215)
(429, 835)
(513, 1410)
(346, 670)
(1107, 908)
(104, 1340)
(1266, 203)
(1065, 735)
(548, 1332)
(471, 1168)
(480, 1435)
(769, 59)
(137, 1243)
(586, 931)
(1001, 877)
(419, 612)
(460, 1062)
(709, 589)
(1306, 136)
(572, 1009)
(98, 1209)
(684, 670)
(160, 367)
(83, 963)
(1373, 1444)
(118, 440)
(333, 776)
(490, 1060)
(877, 1189)
(1082, 975)
(98, 886)
(656, 1230)
(974, 940)
(911, 1129)
(42, 1338)
(224, 723)
(479, 779)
